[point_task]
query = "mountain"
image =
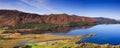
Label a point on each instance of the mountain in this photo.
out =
(15, 17)
(106, 20)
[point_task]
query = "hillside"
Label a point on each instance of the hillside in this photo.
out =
(15, 17)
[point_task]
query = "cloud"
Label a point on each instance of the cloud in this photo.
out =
(40, 4)
(115, 17)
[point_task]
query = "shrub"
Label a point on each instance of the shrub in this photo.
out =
(79, 24)
(42, 26)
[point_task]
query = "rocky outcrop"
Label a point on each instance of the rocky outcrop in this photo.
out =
(14, 17)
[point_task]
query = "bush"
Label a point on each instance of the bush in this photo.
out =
(79, 24)
(41, 26)
(23, 46)
(73, 24)
(83, 23)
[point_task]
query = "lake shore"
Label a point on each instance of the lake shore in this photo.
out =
(48, 40)
(35, 38)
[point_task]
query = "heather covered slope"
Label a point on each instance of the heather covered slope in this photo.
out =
(14, 17)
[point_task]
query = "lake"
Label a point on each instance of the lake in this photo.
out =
(105, 34)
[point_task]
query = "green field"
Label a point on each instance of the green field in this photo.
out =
(2, 31)
(46, 46)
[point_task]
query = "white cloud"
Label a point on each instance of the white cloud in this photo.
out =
(40, 4)
(115, 17)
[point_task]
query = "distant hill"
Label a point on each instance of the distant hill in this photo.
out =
(15, 17)
(106, 20)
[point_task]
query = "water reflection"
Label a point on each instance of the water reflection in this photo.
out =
(57, 30)
(109, 33)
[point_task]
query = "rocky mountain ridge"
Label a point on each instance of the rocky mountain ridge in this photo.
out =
(15, 17)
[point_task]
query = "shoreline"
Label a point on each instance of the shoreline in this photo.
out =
(31, 38)
(51, 40)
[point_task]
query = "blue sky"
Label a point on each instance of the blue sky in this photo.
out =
(89, 8)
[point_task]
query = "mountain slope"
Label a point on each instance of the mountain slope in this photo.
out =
(14, 17)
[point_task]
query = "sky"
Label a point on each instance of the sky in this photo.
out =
(88, 8)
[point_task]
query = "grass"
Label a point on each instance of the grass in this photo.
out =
(47, 46)
(38, 37)
(39, 46)
(11, 43)
(66, 46)
(2, 31)
(0, 46)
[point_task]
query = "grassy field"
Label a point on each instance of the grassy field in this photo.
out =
(46, 46)
(35, 38)
(2, 31)
(82, 45)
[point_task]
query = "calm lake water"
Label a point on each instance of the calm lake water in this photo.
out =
(105, 33)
